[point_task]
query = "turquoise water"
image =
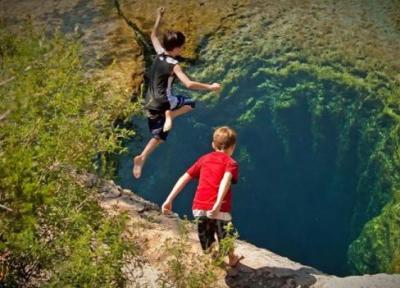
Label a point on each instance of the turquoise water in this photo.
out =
(296, 190)
(314, 145)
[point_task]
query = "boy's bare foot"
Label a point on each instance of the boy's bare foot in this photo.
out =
(234, 260)
(167, 124)
(137, 166)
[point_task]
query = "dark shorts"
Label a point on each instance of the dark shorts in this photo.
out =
(178, 101)
(156, 119)
(207, 229)
(156, 122)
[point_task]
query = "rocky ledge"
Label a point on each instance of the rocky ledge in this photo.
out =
(260, 268)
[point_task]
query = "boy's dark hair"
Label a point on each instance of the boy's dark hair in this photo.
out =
(224, 137)
(173, 39)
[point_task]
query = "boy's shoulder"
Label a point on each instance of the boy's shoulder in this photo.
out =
(204, 157)
(213, 155)
(167, 59)
(233, 162)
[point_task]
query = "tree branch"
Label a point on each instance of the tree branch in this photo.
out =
(7, 80)
(4, 115)
(6, 208)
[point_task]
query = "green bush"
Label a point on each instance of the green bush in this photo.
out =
(185, 268)
(52, 231)
(375, 250)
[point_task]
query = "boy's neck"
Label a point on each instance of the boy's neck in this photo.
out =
(227, 152)
(171, 53)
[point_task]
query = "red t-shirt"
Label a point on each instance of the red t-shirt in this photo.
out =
(210, 169)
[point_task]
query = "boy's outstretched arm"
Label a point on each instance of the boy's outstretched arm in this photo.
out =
(179, 185)
(222, 190)
(154, 33)
(193, 84)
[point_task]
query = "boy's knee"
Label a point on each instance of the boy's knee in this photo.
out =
(192, 105)
(160, 138)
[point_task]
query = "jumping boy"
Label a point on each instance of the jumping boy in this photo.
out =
(160, 103)
(212, 201)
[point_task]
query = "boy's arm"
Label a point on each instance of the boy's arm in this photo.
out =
(193, 84)
(154, 39)
(222, 190)
(179, 185)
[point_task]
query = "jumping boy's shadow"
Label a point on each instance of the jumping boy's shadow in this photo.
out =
(270, 277)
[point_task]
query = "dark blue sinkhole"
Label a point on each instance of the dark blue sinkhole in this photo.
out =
(298, 175)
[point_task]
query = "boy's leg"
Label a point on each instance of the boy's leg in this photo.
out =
(155, 123)
(179, 105)
(234, 259)
(168, 121)
(180, 111)
(206, 231)
(182, 105)
(221, 234)
(170, 115)
(139, 160)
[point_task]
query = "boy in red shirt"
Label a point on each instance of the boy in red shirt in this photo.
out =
(212, 201)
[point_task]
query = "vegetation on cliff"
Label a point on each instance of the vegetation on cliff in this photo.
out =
(51, 228)
(54, 120)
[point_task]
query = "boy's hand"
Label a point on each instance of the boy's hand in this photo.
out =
(160, 11)
(166, 208)
(214, 211)
(215, 87)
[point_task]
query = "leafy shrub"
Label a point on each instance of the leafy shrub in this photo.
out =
(189, 269)
(185, 268)
(52, 231)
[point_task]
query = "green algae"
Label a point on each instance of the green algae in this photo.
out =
(376, 249)
(336, 61)
(356, 96)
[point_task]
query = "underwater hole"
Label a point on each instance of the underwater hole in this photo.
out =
(299, 166)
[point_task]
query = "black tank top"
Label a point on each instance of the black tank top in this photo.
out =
(161, 78)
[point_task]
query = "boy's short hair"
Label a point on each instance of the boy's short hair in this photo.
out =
(173, 39)
(224, 137)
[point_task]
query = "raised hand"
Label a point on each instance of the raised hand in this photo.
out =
(160, 11)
